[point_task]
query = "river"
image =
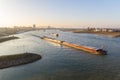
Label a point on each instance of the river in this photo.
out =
(60, 62)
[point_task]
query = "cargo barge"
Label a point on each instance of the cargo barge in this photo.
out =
(80, 47)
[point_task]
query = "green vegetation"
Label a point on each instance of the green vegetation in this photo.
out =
(18, 59)
(8, 38)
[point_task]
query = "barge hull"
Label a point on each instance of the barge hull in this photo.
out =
(80, 47)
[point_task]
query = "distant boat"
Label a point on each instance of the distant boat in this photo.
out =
(54, 35)
(92, 50)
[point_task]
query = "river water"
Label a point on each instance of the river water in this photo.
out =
(60, 62)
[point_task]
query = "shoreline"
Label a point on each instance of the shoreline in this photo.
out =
(3, 39)
(18, 59)
(107, 34)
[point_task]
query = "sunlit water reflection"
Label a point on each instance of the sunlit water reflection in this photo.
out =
(63, 63)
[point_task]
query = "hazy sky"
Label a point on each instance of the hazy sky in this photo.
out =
(60, 13)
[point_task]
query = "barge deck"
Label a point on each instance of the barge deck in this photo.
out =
(80, 47)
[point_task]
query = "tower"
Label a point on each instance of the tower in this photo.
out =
(34, 26)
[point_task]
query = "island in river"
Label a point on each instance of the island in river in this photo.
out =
(17, 59)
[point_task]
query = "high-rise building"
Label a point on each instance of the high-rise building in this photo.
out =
(34, 26)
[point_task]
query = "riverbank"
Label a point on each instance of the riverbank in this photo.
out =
(107, 34)
(3, 39)
(18, 59)
(6, 31)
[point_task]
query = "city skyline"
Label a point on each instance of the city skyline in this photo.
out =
(60, 13)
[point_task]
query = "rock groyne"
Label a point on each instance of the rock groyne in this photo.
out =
(18, 59)
(8, 38)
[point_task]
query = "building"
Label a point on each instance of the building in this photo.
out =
(104, 30)
(97, 30)
(34, 26)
